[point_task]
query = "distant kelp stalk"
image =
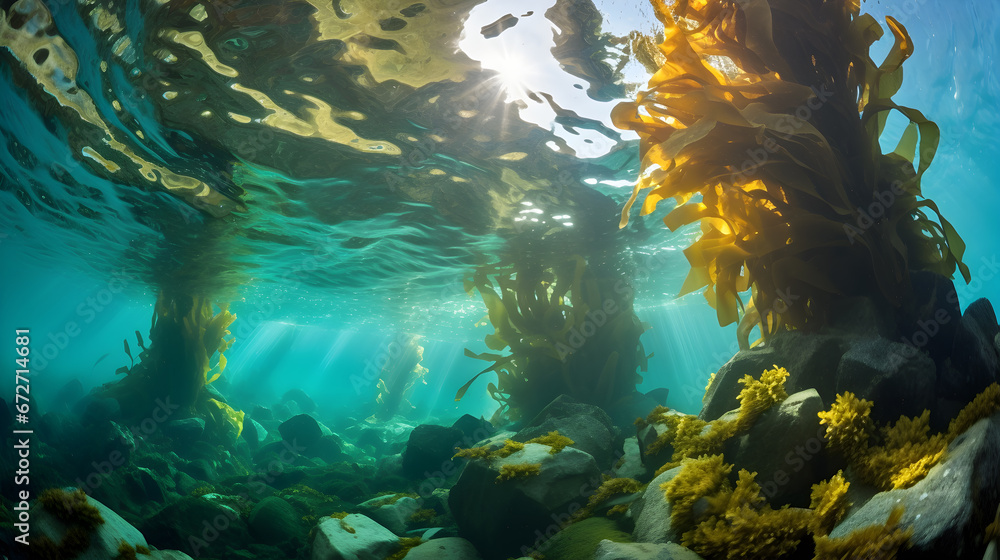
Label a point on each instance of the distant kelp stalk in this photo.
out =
(569, 331)
(763, 123)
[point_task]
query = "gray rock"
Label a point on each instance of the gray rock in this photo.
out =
(501, 517)
(254, 433)
(261, 414)
(185, 483)
(68, 395)
(104, 540)
(590, 428)
(646, 436)
(199, 526)
(861, 316)
(949, 507)
(391, 514)
(150, 485)
(473, 429)
(787, 450)
(301, 430)
(305, 402)
(448, 548)
(429, 447)
(651, 512)
(355, 537)
(98, 410)
(610, 550)
(811, 361)
(274, 521)
(630, 465)
(185, 429)
(898, 378)
(973, 354)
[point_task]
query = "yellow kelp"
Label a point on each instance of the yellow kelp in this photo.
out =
(764, 125)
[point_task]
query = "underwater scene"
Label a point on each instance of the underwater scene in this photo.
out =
(499, 280)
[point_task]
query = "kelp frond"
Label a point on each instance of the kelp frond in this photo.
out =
(764, 124)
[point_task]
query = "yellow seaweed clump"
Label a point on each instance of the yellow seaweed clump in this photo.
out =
(828, 503)
(522, 470)
(128, 552)
(877, 542)
(691, 436)
(484, 452)
(849, 425)
(732, 523)
(405, 545)
(610, 488)
(983, 406)
(554, 440)
(903, 452)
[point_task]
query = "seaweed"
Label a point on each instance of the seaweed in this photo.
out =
(184, 335)
(569, 331)
(690, 436)
(764, 124)
(901, 454)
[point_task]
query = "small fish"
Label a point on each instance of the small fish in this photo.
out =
(128, 350)
(99, 360)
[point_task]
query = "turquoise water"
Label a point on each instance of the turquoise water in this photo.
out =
(395, 266)
(324, 257)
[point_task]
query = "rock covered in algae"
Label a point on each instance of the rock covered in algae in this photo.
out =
(947, 507)
(353, 536)
(590, 428)
(502, 516)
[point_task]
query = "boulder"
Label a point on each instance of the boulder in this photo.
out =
(630, 465)
(97, 410)
(898, 378)
(274, 521)
(787, 449)
(811, 361)
(937, 314)
(150, 487)
(473, 429)
(68, 395)
(305, 402)
(501, 517)
(261, 414)
(651, 512)
(199, 526)
(646, 436)
(948, 509)
(185, 429)
(253, 433)
(448, 548)
(104, 540)
(392, 512)
(610, 550)
(590, 428)
(429, 447)
(973, 355)
(300, 430)
(355, 537)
